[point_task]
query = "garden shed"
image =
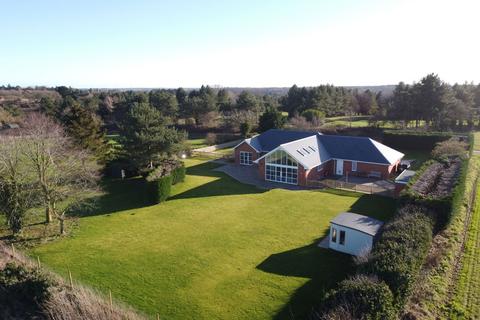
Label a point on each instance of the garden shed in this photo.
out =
(353, 233)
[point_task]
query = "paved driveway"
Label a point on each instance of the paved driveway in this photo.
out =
(249, 175)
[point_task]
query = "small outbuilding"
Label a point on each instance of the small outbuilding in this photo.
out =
(353, 233)
(402, 180)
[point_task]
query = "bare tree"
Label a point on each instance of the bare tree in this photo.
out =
(17, 183)
(64, 172)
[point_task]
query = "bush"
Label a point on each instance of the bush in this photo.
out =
(361, 297)
(450, 148)
(211, 138)
(313, 115)
(400, 251)
(245, 129)
(159, 190)
(22, 291)
(178, 174)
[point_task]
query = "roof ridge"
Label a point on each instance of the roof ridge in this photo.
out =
(286, 143)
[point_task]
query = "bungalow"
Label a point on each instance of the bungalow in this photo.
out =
(353, 233)
(294, 157)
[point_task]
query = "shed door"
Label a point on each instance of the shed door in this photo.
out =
(339, 167)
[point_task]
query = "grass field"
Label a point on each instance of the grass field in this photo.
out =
(216, 250)
(467, 295)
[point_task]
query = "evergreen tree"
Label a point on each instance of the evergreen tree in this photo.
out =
(271, 119)
(85, 127)
(164, 101)
(147, 137)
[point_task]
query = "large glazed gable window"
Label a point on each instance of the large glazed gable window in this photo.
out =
(281, 167)
(245, 158)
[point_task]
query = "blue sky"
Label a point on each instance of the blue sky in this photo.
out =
(236, 43)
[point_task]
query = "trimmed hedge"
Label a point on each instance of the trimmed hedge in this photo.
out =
(414, 140)
(360, 297)
(159, 190)
(178, 174)
(398, 255)
(444, 206)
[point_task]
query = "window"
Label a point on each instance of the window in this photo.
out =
(354, 165)
(245, 158)
(334, 235)
(342, 237)
(281, 167)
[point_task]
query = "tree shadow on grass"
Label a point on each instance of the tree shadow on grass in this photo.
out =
(325, 268)
(222, 186)
(118, 195)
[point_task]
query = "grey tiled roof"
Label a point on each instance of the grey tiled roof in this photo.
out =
(359, 149)
(271, 139)
(358, 222)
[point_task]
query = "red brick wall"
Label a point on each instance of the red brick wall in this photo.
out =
(245, 147)
(363, 167)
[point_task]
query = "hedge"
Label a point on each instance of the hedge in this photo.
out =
(399, 253)
(360, 297)
(178, 174)
(444, 206)
(414, 140)
(159, 190)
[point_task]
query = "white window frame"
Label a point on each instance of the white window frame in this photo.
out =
(246, 158)
(276, 166)
(354, 166)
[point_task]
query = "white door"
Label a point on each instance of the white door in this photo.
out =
(339, 168)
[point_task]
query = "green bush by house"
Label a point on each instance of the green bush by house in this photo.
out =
(159, 190)
(178, 174)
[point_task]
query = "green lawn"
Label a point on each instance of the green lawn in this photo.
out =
(420, 157)
(216, 250)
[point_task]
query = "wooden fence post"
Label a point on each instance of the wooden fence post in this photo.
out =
(38, 262)
(70, 279)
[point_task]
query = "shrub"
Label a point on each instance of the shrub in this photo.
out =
(450, 148)
(313, 115)
(245, 129)
(159, 190)
(211, 138)
(400, 251)
(360, 297)
(178, 174)
(22, 290)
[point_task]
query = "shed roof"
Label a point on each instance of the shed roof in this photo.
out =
(358, 222)
(405, 176)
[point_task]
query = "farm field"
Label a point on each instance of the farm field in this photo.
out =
(217, 249)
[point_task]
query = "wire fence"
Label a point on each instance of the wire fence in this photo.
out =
(356, 187)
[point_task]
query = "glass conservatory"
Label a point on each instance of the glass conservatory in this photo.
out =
(281, 167)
